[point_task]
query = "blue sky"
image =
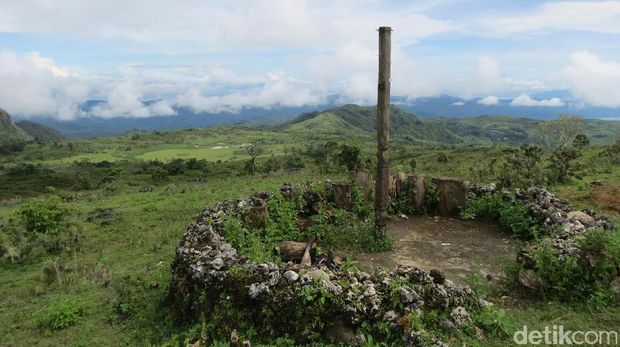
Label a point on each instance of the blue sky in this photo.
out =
(223, 56)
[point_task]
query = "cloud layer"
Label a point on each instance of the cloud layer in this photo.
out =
(214, 56)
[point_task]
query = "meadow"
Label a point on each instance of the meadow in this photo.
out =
(128, 199)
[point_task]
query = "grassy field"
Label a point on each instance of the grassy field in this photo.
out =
(117, 269)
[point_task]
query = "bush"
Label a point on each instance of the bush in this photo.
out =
(513, 215)
(60, 316)
(15, 245)
(582, 276)
(42, 216)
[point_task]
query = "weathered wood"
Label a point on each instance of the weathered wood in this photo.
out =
(383, 137)
(343, 195)
(293, 250)
(420, 191)
(452, 195)
(306, 260)
(365, 182)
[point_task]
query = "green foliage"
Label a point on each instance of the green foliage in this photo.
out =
(581, 141)
(562, 163)
(15, 243)
(248, 243)
(523, 168)
(60, 316)
(495, 322)
(350, 157)
(557, 133)
(42, 216)
(585, 275)
(511, 214)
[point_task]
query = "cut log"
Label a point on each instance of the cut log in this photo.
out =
(343, 195)
(452, 195)
(294, 251)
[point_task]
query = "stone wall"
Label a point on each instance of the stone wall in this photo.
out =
(207, 268)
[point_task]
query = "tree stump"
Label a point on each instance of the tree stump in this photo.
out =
(343, 195)
(401, 179)
(419, 186)
(366, 183)
(452, 195)
(294, 251)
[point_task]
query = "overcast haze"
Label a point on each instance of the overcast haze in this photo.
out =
(216, 56)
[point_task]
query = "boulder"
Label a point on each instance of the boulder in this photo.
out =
(529, 279)
(452, 195)
(581, 217)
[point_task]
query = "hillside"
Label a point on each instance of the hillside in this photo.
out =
(511, 130)
(39, 131)
(354, 118)
(10, 134)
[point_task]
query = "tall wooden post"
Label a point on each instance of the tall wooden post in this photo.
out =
(383, 135)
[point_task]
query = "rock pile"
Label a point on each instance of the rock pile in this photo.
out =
(311, 301)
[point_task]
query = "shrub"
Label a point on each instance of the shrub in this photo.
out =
(582, 276)
(15, 244)
(42, 216)
(60, 316)
(513, 215)
(523, 168)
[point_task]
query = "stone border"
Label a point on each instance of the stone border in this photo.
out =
(205, 266)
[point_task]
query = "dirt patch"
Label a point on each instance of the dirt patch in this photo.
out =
(455, 247)
(607, 198)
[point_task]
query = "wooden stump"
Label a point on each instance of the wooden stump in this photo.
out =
(401, 179)
(366, 184)
(294, 251)
(256, 216)
(343, 195)
(419, 184)
(452, 195)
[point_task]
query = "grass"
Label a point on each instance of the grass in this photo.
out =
(118, 274)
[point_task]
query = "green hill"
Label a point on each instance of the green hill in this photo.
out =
(40, 132)
(506, 129)
(12, 137)
(354, 118)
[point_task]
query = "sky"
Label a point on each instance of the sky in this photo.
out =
(147, 58)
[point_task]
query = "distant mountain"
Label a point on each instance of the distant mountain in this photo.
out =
(431, 107)
(86, 127)
(354, 118)
(40, 132)
(453, 107)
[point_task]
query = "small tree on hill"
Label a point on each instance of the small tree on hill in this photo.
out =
(559, 132)
(253, 151)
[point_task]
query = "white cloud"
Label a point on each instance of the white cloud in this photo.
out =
(593, 80)
(489, 100)
(32, 85)
(234, 24)
(458, 103)
(126, 100)
(526, 100)
(593, 16)
(277, 90)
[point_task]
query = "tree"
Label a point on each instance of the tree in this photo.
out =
(559, 132)
(523, 169)
(562, 163)
(581, 141)
(253, 151)
(350, 157)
